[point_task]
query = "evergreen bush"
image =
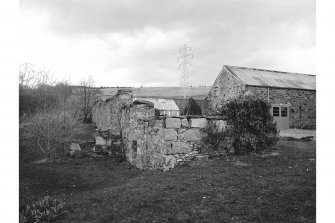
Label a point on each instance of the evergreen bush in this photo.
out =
(192, 108)
(251, 124)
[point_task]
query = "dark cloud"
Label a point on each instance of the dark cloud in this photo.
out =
(221, 32)
(87, 16)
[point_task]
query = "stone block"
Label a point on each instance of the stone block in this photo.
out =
(172, 123)
(136, 134)
(198, 122)
(159, 123)
(75, 149)
(166, 147)
(100, 141)
(170, 162)
(192, 135)
(185, 123)
(167, 134)
(180, 147)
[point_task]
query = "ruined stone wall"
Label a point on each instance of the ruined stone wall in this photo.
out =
(302, 111)
(225, 87)
(106, 113)
(149, 141)
(163, 142)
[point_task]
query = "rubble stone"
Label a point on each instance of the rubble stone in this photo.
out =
(100, 141)
(75, 149)
(167, 134)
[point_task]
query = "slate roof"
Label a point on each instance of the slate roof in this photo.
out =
(271, 78)
(160, 104)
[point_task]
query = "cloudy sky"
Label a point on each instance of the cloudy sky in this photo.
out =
(136, 42)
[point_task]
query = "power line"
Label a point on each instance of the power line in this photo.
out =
(184, 64)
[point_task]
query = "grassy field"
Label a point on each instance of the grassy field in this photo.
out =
(270, 189)
(163, 92)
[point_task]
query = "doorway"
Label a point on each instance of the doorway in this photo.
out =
(280, 113)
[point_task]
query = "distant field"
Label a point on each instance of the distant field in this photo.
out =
(162, 92)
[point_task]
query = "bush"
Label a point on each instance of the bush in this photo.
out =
(251, 125)
(45, 210)
(192, 108)
(212, 138)
(52, 130)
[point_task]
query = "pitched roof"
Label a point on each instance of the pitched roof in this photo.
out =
(271, 78)
(160, 104)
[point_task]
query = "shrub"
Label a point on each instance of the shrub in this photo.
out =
(45, 210)
(212, 138)
(52, 130)
(192, 108)
(251, 125)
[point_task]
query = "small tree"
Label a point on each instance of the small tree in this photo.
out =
(86, 97)
(192, 108)
(251, 125)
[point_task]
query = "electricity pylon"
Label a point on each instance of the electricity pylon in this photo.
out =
(184, 65)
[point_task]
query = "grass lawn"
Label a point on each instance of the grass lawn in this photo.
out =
(271, 189)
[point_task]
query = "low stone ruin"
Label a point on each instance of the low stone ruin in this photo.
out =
(148, 140)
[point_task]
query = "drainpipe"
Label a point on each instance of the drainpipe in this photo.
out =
(268, 94)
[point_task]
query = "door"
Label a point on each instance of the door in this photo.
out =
(280, 113)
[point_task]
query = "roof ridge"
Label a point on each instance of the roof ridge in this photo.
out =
(274, 71)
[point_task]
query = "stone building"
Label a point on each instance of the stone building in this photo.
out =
(292, 95)
(166, 107)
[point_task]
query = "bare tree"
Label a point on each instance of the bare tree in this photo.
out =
(52, 124)
(27, 75)
(86, 96)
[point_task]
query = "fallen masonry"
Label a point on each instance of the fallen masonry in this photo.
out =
(148, 140)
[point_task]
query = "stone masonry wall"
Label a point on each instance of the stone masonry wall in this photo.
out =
(225, 87)
(302, 111)
(149, 141)
(163, 142)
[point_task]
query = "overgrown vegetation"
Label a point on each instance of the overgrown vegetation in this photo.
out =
(251, 125)
(192, 108)
(213, 139)
(50, 109)
(45, 210)
(52, 131)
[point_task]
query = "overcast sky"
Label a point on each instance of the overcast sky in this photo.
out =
(136, 42)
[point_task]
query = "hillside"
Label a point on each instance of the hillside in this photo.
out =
(161, 92)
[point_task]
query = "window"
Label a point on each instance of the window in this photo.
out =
(283, 111)
(134, 146)
(275, 111)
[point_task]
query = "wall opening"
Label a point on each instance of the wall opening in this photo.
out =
(134, 146)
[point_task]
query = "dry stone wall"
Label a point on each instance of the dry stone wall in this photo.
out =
(149, 141)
